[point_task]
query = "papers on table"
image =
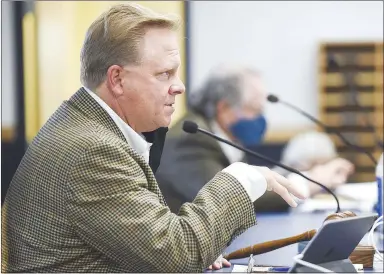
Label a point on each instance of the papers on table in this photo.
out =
(359, 191)
(257, 269)
(353, 196)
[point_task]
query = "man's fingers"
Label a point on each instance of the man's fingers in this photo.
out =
(217, 266)
(349, 168)
(282, 186)
(219, 263)
(283, 192)
(342, 164)
(226, 263)
(292, 188)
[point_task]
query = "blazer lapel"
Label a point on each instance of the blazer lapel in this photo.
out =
(90, 108)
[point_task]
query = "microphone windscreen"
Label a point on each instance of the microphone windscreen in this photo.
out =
(272, 98)
(190, 127)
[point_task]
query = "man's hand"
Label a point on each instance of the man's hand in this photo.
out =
(281, 185)
(219, 263)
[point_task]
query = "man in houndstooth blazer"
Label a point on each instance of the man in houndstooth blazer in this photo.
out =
(84, 198)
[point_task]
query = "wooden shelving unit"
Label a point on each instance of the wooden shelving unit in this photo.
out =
(362, 64)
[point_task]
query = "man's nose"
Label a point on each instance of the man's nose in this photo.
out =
(177, 88)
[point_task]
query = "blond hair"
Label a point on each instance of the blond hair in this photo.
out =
(114, 38)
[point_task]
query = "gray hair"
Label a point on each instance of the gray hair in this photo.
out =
(226, 83)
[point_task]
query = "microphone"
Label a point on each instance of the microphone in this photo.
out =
(348, 77)
(274, 99)
(192, 127)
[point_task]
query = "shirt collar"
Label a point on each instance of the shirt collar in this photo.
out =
(233, 154)
(134, 139)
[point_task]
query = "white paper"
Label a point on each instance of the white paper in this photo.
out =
(354, 196)
(243, 269)
(239, 268)
(359, 191)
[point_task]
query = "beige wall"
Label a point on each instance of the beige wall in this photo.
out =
(61, 26)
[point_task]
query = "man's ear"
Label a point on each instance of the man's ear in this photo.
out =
(222, 106)
(225, 114)
(115, 80)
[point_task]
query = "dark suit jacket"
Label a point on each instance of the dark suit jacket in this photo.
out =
(189, 161)
(82, 200)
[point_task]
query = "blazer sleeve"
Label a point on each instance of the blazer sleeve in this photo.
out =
(112, 207)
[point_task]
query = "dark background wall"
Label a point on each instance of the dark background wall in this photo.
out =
(13, 142)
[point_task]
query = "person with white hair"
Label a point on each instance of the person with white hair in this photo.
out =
(307, 149)
(314, 153)
(231, 104)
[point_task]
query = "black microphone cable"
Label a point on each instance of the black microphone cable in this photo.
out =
(274, 99)
(192, 127)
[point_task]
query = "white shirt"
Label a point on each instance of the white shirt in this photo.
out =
(134, 139)
(252, 180)
(233, 154)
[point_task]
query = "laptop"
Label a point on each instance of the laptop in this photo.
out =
(334, 242)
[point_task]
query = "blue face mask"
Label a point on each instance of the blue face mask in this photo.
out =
(249, 131)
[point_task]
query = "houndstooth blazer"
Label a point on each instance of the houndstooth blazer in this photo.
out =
(82, 200)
